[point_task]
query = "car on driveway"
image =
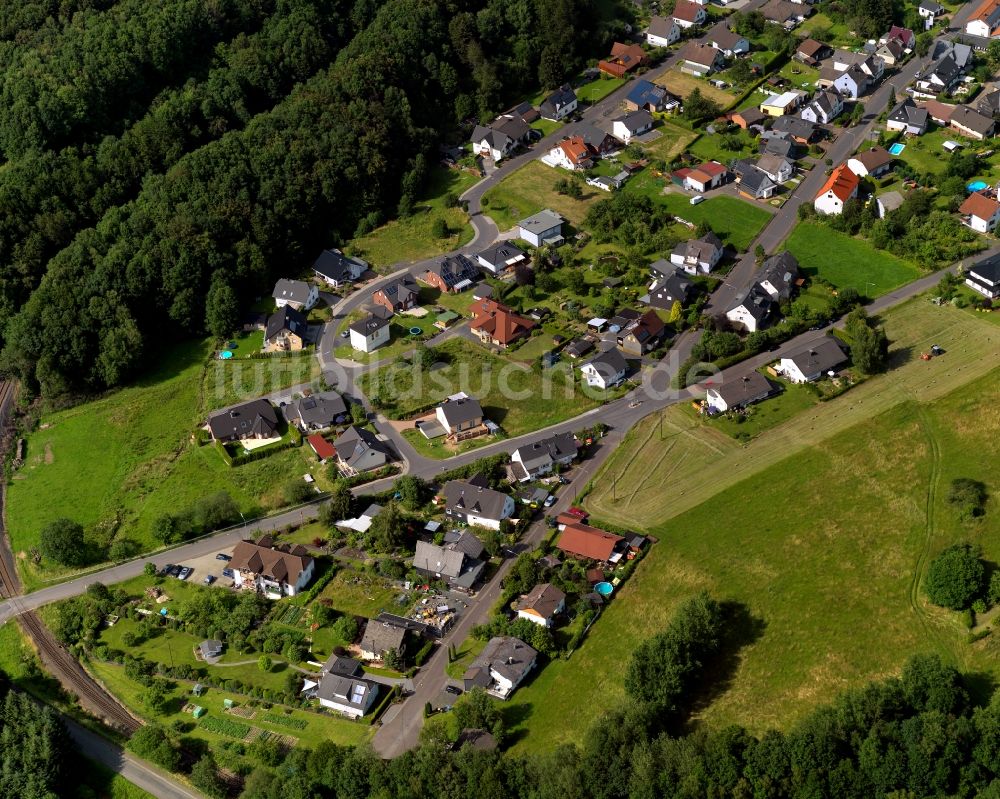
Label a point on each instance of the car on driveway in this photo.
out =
(209, 579)
(175, 571)
(227, 573)
(453, 689)
(184, 573)
(223, 556)
(168, 569)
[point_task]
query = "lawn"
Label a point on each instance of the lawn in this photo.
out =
(682, 84)
(411, 239)
(513, 395)
(820, 26)
(136, 451)
(791, 401)
(926, 153)
(845, 261)
(672, 141)
(713, 147)
(546, 126)
(531, 188)
(400, 338)
(597, 90)
(467, 651)
(228, 382)
(736, 222)
(440, 448)
(840, 508)
(800, 75)
(363, 594)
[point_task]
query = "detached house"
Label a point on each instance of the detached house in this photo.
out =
(275, 570)
(985, 20)
(646, 96)
(474, 503)
(335, 269)
(811, 363)
(459, 415)
(778, 169)
(296, 293)
(778, 274)
(504, 135)
(785, 13)
(727, 42)
(688, 14)
(739, 392)
(459, 563)
(286, 330)
(841, 186)
(624, 58)
(752, 310)
(558, 105)
(700, 59)
(606, 370)
(908, 118)
(539, 458)
(452, 274)
(371, 332)
(571, 153)
(584, 542)
(496, 324)
(698, 256)
(824, 108)
(930, 11)
(752, 182)
(702, 178)
(317, 411)
(347, 693)
(672, 287)
(984, 277)
(500, 258)
(255, 419)
(359, 450)
(541, 605)
(777, 105)
(400, 295)
(641, 335)
(500, 667)
(971, 123)
(662, 31)
(811, 52)
(941, 77)
(379, 638)
(981, 212)
(632, 124)
(545, 227)
(872, 162)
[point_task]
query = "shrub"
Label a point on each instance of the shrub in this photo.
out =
(955, 577)
(968, 497)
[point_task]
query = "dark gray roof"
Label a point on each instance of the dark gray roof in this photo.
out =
(499, 254)
(554, 448)
(777, 146)
(930, 5)
(703, 249)
(459, 411)
(254, 418)
(580, 346)
(291, 291)
(355, 442)
(438, 560)
(755, 181)
(286, 318)
(971, 119)
(780, 271)
(988, 268)
(211, 648)
(465, 542)
(748, 387)
(634, 121)
(380, 637)
(317, 409)
(401, 290)
(672, 287)
(945, 68)
(820, 357)
(335, 265)
(609, 363)
(506, 655)
(354, 692)
(542, 221)
(757, 302)
(465, 497)
(370, 324)
(555, 102)
(454, 269)
(342, 666)
(594, 136)
(988, 103)
(794, 126)
(458, 561)
(907, 113)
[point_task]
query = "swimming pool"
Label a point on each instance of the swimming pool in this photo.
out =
(225, 355)
(977, 185)
(604, 589)
(897, 148)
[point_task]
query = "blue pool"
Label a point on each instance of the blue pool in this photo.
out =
(604, 589)
(977, 185)
(225, 355)
(897, 148)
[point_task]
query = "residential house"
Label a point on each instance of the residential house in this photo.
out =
(752, 310)
(688, 14)
(459, 563)
(777, 143)
(930, 11)
(940, 113)
(577, 348)
(888, 202)
(873, 162)
(811, 52)
(582, 541)
(811, 363)
(255, 419)
(698, 255)
(739, 392)
(752, 182)
(904, 36)
(558, 105)
(316, 412)
(502, 666)
(371, 331)
(841, 186)
(606, 370)
(473, 502)
(797, 129)
(335, 269)
(823, 108)
(286, 330)
(981, 212)
(728, 42)
(891, 52)
(599, 141)
(211, 649)
(571, 153)
(785, 13)
(672, 287)
(379, 638)
(988, 103)
(360, 450)
(748, 117)
(545, 227)
(502, 137)
(399, 295)
(460, 414)
(631, 124)
(707, 175)
(624, 58)
(941, 77)
(971, 123)
(662, 31)
(524, 111)
(700, 59)
(541, 605)
(984, 277)
(778, 169)
(500, 258)
(778, 274)
(296, 293)
(646, 96)
(777, 105)
(496, 324)
(908, 118)
(352, 696)
(985, 20)
(641, 335)
(275, 570)
(452, 274)
(323, 449)
(540, 457)
(851, 83)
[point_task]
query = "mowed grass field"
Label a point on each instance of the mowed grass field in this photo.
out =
(821, 526)
(848, 262)
(682, 84)
(672, 141)
(531, 188)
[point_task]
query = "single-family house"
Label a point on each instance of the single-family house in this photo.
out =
(558, 105)
(777, 105)
(698, 256)
(545, 227)
(298, 294)
(335, 269)
(672, 287)
(971, 123)
(904, 36)
(460, 414)
(631, 124)
(379, 638)
(571, 153)
(811, 363)
(606, 370)
(579, 347)
(352, 696)
(888, 202)
(811, 52)
(646, 96)
(841, 186)
(797, 129)
(778, 169)
(752, 309)
(624, 58)
(940, 113)
(908, 118)
(739, 392)
(700, 59)
(598, 140)
(778, 274)
(823, 108)
(286, 330)
(873, 162)
(728, 42)
(524, 111)
(785, 13)
(500, 258)
(584, 542)
(688, 14)
(474, 502)
(499, 139)
(360, 450)
(371, 331)
(541, 605)
(981, 212)
(988, 103)
(459, 562)
(531, 461)
(777, 143)
(662, 31)
(707, 175)
(642, 334)
(255, 419)
(316, 412)
(985, 20)
(940, 77)
(275, 570)
(399, 295)
(753, 183)
(891, 52)
(930, 11)
(211, 649)
(496, 324)
(748, 117)
(852, 83)
(984, 277)
(502, 666)
(452, 274)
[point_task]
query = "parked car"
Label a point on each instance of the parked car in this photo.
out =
(209, 579)
(175, 571)
(223, 556)
(698, 198)
(168, 569)
(227, 573)
(185, 572)
(453, 689)
(550, 500)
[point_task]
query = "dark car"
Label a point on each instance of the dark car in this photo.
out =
(227, 572)
(209, 579)
(175, 571)
(223, 556)
(453, 689)
(168, 569)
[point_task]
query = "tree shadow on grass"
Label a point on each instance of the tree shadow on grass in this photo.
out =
(898, 356)
(981, 686)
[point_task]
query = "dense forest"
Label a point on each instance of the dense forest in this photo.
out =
(37, 756)
(167, 160)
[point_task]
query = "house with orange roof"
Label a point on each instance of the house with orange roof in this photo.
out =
(624, 58)
(688, 14)
(985, 20)
(496, 324)
(584, 542)
(705, 176)
(981, 212)
(276, 570)
(841, 186)
(571, 153)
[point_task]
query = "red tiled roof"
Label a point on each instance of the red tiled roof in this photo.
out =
(499, 321)
(686, 10)
(712, 168)
(979, 205)
(842, 182)
(575, 149)
(323, 448)
(587, 542)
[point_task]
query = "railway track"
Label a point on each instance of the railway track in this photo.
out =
(66, 668)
